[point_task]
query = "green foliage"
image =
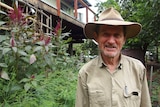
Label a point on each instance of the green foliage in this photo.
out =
(143, 11)
(109, 3)
(91, 47)
(57, 90)
(155, 92)
(35, 68)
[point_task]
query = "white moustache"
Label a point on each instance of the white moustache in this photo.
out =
(110, 46)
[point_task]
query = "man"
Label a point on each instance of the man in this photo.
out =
(112, 79)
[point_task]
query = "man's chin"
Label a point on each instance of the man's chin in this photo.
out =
(110, 55)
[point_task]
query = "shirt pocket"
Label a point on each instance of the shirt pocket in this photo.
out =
(97, 97)
(133, 98)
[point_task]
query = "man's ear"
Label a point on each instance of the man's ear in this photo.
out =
(95, 35)
(124, 40)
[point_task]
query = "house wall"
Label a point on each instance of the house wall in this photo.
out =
(50, 2)
(65, 7)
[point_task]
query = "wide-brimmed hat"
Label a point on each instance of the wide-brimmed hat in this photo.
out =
(112, 17)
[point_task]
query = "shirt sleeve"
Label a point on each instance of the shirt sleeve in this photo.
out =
(145, 98)
(82, 93)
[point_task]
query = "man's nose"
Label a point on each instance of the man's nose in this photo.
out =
(111, 39)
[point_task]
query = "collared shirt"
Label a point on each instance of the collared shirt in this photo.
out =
(126, 87)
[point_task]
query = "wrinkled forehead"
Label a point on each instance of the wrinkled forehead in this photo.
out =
(103, 27)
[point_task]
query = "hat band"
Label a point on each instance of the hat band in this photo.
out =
(111, 19)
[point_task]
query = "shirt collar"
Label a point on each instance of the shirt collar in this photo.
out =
(101, 63)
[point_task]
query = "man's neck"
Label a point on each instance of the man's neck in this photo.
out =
(111, 62)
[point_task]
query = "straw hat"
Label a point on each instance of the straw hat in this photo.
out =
(112, 17)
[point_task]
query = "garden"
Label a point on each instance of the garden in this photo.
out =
(35, 68)
(37, 71)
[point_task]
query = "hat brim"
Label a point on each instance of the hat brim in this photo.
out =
(132, 28)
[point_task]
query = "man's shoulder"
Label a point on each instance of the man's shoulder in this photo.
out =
(90, 64)
(131, 60)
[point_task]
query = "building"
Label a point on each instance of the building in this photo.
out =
(49, 11)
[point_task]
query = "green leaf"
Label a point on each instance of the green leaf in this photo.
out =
(3, 65)
(15, 88)
(38, 48)
(3, 37)
(2, 12)
(68, 40)
(32, 59)
(6, 50)
(25, 59)
(2, 22)
(40, 43)
(46, 48)
(24, 80)
(22, 53)
(4, 75)
(27, 86)
(48, 60)
(34, 83)
(28, 48)
(14, 49)
(7, 44)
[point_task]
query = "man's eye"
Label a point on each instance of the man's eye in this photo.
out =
(117, 35)
(106, 34)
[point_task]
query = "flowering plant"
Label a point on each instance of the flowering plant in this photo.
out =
(35, 68)
(26, 52)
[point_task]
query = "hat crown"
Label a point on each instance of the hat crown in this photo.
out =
(112, 17)
(110, 14)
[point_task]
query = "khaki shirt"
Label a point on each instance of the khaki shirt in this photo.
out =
(126, 87)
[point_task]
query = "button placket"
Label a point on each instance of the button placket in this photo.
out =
(114, 93)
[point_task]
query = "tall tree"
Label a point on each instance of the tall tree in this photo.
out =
(146, 12)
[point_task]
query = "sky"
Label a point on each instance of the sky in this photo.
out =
(93, 3)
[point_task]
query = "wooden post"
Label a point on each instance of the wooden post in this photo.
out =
(86, 15)
(70, 49)
(50, 23)
(150, 83)
(94, 17)
(75, 8)
(6, 6)
(47, 22)
(41, 21)
(58, 7)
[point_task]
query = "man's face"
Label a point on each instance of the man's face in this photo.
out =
(110, 40)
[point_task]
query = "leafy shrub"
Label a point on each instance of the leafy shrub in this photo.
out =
(35, 68)
(155, 91)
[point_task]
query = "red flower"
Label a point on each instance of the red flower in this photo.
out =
(32, 76)
(57, 29)
(16, 14)
(12, 41)
(47, 40)
(41, 38)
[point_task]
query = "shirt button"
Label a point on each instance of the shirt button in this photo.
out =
(113, 91)
(114, 103)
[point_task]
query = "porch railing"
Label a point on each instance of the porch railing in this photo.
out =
(48, 26)
(58, 3)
